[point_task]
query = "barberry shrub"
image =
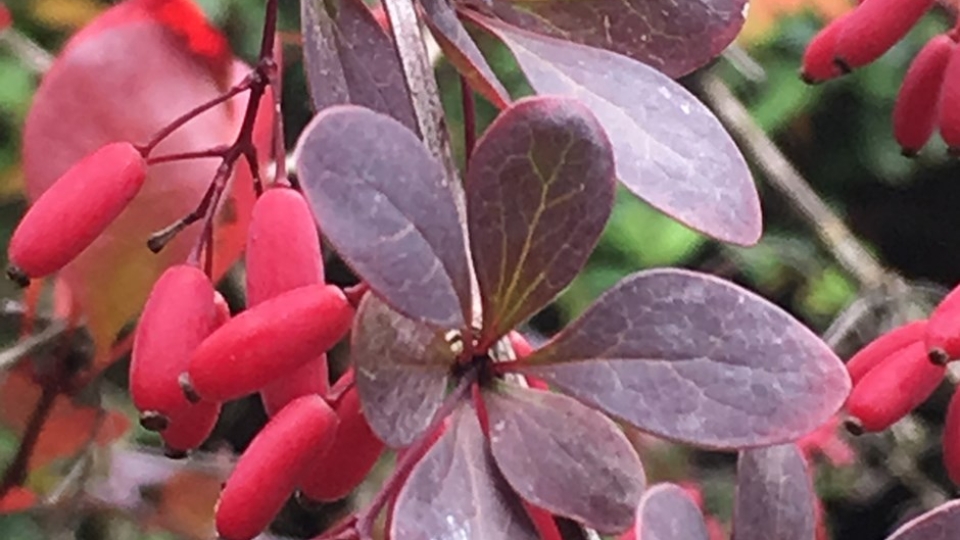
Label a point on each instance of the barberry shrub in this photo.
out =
(493, 437)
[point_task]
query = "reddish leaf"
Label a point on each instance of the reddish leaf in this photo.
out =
(402, 371)
(941, 523)
(693, 358)
(671, 151)
(18, 498)
(460, 49)
(540, 188)
(383, 203)
(667, 512)
(69, 426)
(674, 37)
(775, 497)
(455, 491)
(132, 52)
(348, 58)
(565, 457)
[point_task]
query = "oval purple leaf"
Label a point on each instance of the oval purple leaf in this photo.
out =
(775, 497)
(671, 151)
(456, 492)
(350, 59)
(565, 457)
(382, 202)
(655, 32)
(694, 358)
(402, 371)
(941, 523)
(666, 512)
(540, 187)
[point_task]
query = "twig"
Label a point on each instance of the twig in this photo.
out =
(262, 76)
(839, 240)
(16, 472)
(28, 346)
(29, 52)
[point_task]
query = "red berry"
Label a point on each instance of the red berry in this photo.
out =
(894, 388)
(76, 209)
(283, 246)
(267, 341)
(348, 462)
(189, 426)
(949, 98)
(915, 113)
(818, 59)
(273, 464)
(178, 315)
(5, 18)
(223, 309)
(310, 378)
(883, 347)
(283, 253)
(951, 439)
(943, 330)
(874, 27)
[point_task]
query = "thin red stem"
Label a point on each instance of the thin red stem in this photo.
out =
(186, 117)
(216, 151)
(243, 146)
(16, 472)
(469, 118)
(412, 456)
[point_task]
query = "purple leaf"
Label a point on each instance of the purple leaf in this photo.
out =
(671, 151)
(382, 202)
(462, 52)
(456, 492)
(674, 37)
(565, 457)
(540, 187)
(348, 58)
(775, 497)
(666, 512)
(402, 371)
(693, 358)
(941, 523)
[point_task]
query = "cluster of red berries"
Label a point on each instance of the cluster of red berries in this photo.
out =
(190, 356)
(932, 82)
(898, 371)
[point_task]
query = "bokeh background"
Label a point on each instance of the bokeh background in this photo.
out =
(838, 136)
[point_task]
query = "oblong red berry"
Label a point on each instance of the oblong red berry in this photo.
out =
(270, 468)
(283, 253)
(818, 63)
(310, 378)
(951, 439)
(874, 27)
(349, 460)
(188, 426)
(915, 112)
(76, 209)
(269, 340)
(179, 314)
(894, 388)
(283, 246)
(942, 335)
(949, 117)
(880, 349)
